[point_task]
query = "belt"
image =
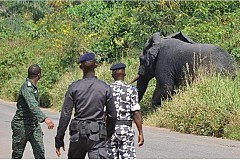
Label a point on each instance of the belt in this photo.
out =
(124, 122)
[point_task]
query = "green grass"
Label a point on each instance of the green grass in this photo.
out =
(210, 106)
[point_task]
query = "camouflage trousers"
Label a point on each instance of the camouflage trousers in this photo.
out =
(121, 145)
(24, 133)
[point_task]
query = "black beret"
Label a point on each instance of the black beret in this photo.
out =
(88, 56)
(118, 66)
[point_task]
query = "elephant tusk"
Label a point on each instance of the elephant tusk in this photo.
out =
(134, 79)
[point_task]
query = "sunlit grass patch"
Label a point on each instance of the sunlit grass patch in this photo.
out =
(210, 106)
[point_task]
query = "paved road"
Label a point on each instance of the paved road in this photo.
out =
(159, 143)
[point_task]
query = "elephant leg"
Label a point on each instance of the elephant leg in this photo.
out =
(161, 93)
(156, 99)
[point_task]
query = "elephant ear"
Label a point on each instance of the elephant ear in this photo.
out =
(181, 36)
(151, 48)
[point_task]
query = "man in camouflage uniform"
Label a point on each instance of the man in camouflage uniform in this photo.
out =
(125, 97)
(25, 124)
(89, 97)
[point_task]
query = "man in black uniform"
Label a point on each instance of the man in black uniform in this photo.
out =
(89, 130)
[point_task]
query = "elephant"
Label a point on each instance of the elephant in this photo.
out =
(173, 58)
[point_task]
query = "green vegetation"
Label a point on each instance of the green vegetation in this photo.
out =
(210, 106)
(54, 34)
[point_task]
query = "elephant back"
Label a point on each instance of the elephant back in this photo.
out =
(178, 54)
(217, 59)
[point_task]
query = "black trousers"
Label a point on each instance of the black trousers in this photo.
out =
(95, 149)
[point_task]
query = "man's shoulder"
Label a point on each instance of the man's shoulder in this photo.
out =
(102, 82)
(123, 83)
(126, 86)
(131, 87)
(74, 82)
(26, 84)
(134, 88)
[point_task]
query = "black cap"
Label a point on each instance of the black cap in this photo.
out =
(88, 56)
(118, 66)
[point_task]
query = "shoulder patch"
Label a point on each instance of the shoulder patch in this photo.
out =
(29, 84)
(134, 88)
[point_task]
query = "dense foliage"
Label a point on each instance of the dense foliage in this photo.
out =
(54, 34)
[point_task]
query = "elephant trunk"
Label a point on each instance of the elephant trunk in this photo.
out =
(142, 84)
(134, 79)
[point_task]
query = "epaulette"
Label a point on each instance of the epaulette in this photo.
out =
(70, 83)
(29, 84)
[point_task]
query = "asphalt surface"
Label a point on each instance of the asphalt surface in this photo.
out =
(159, 143)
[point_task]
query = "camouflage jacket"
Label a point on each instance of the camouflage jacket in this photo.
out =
(28, 111)
(126, 100)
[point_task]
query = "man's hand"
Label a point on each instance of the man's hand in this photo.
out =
(58, 152)
(140, 140)
(138, 121)
(49, 123)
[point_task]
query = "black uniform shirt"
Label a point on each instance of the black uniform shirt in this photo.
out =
(88, 97)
